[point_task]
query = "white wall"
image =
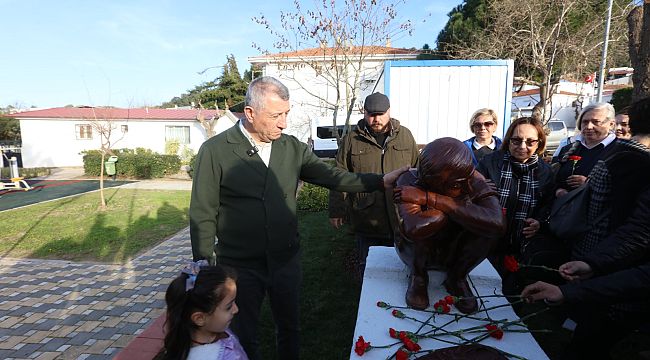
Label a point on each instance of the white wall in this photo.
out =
(306, 108)
(54, 143)
(436, 99)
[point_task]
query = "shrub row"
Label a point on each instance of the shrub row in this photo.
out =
(313, 198)
(139, 163)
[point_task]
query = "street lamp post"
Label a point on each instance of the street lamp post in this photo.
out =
(603, 60)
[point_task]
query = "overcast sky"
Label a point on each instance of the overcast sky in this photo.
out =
(136, 53)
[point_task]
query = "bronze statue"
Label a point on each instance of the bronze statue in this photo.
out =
(449, 219)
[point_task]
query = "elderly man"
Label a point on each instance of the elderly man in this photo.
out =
(450, 219)
(614, 255)
(244, 197)
(379, 144)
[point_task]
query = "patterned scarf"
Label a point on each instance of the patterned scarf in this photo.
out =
(522, 176)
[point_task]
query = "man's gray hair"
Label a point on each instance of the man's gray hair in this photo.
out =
(262, 86)
(611, 113)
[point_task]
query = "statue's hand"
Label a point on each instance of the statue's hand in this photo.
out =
(409, 194)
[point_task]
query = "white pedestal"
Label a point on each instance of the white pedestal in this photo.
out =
(386, 279)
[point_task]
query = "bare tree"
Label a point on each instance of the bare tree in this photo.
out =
(639, 33)
(105, 126)
(207, 124)
(334, 40)
(548, 40)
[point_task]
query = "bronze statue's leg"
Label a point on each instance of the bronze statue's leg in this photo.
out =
(469, 252)
(416, 294)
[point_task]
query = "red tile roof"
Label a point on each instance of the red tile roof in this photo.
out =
(371, 50)
(114, 113)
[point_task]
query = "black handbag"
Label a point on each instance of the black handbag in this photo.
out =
(568, 218)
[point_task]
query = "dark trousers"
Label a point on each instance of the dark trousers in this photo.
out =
(283, 287)
(364, 243)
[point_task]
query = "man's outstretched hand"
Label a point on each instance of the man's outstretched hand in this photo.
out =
(391, 177)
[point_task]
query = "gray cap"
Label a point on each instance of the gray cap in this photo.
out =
(376, 103)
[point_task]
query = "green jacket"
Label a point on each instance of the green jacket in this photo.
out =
(359, 152)
(251, 209)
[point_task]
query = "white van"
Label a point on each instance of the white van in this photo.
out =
(323, 139)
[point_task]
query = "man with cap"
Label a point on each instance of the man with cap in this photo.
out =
(378, 145)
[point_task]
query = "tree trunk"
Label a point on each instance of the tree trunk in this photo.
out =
(101, 182)
(639, 34)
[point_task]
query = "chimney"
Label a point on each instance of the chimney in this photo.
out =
(388, 41)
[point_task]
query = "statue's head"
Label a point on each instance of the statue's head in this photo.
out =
(446, 167)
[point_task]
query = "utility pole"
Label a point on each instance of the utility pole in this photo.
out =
(603, 60)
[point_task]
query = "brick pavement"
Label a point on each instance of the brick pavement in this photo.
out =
(52, 309)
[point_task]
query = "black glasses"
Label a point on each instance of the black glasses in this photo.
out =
(529, 142)
(478, 125)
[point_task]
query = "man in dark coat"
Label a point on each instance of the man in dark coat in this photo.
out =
(244, 197)
(379, 144)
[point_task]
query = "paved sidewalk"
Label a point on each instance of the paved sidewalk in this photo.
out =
(53, 309)
(63, 310)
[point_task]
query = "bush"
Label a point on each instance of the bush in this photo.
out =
(313, 198)
(26, 173)
(139, 163)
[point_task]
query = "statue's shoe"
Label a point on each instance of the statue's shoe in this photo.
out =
(416, 294)
(468, 303)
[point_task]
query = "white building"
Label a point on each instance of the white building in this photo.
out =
(310, 75)
(56, 137)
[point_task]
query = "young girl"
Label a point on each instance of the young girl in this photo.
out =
(200, 306)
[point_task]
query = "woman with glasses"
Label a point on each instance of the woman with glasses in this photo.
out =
(597, 141)
(525, 188)
(483, 123)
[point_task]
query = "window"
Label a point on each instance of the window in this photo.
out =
(84, 131)
(177, 133)
(327, 132)
(124, 128)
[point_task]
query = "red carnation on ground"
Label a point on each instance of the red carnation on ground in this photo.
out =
(442, 307)
(361, 346)
(411, 345)
(510, 263)
(392, 332)
(450, 300)
(398, 314)
(401, 355)
(494, 331)
(382, 304)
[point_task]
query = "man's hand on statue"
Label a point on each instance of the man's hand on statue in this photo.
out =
(409, 194)
(531, 228)
(540, 290)
(576, 270)
(336, 222)
(576, 180)
(391, 177)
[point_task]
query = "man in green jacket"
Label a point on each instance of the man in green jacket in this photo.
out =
(378, 145)
(243, 210)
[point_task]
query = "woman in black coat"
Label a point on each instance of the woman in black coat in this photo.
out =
(525, 186)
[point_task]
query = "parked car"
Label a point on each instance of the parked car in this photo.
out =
(556, 130)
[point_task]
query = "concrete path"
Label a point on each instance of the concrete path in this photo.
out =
(65, 310)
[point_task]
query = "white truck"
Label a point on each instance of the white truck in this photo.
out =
(435, 98)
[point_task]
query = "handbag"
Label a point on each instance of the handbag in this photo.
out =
(568, 218)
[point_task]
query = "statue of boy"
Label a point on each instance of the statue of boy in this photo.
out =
(450, 219)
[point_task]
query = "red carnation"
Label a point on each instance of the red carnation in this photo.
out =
(361, 346)
(450, 300)
(575, 158)
(510, 263)
(382, 304)
(411, 345)
(494, 331)
(393, 333)
(398, 314)
(401, 355)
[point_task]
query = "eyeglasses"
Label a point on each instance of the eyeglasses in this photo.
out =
(478, 125)
(529, 142)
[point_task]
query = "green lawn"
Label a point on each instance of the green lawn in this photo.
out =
(74, 228)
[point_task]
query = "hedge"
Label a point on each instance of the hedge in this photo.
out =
(139, 163)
